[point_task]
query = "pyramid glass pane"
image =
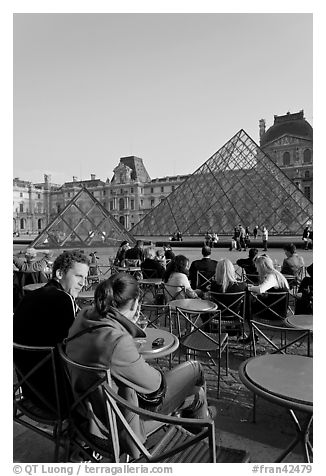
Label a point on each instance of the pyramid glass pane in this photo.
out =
(238, 184)
(84, 222)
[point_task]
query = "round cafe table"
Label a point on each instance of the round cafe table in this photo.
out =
(193, 305)
(171, 344)
(286, 380)
(300, 321)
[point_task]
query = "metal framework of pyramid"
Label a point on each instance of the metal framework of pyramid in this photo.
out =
(84, 222)
(238, 184)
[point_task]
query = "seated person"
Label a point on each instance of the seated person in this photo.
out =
(43, 317)
(151, 265)
(160, 257)
(206, 266)
(293, 262)
(169, 255)
(121, 253)
(225, 280)
(176, 277)
(30, 264)
(304, 296)
(248, 265)
(104, 335)
(270, 280)
(135, 255)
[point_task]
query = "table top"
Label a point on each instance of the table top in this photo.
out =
(281, 378)
(33, 286)
(300, 321)
(171, 343)
(155, 281)
(195, 305)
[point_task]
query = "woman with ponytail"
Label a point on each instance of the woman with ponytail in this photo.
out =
(104, 335)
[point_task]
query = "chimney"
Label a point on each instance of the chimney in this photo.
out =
(92, 176)
(262, 128)
(47, 178)
(74, 179)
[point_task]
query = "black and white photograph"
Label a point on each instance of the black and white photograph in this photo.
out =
(162, 227)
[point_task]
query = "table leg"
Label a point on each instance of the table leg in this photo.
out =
(302, 437)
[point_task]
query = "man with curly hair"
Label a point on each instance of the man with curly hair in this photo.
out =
(43, 317)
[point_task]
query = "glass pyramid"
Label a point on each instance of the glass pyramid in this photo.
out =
(84, 222)
(238, 184)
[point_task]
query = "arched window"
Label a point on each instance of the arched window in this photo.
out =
(121, 203)
(307, 174)
(307, 156)
(22, 224)
(122, 220)
(39, 224)
(286, 158)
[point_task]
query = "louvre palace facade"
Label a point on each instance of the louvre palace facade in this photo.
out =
(131, 194)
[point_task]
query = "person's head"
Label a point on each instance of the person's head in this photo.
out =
(30, 254)
(149, 253)
(206, 251)
(124, 245)
(290, 249)
(160, 254)
(71, 269)
(121, 292)
(139, 243)
(179, 264)
(253, 252)
(225, 273)
(265, 266)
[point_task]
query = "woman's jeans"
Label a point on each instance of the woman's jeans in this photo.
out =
(186, 391)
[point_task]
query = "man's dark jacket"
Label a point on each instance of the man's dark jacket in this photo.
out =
(205, 265)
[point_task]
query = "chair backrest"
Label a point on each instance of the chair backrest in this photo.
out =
(114, 417)
(251, 278)
(132, 263)
(156, 314)
(231, 305)
(192, 325)
(269, 306)
(39, 381)
(150, 273)
(204, 279)
(173, 292)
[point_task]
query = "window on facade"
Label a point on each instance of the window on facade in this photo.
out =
(39, 224)
(58, 208)
(131, 190)
(111, 204)
(286, 158)
(307, 156)
(132, 204)
(152, 203)
(104, 193)
(21, 207)
(21, 194)
(173, 188)
(141, 203)
(121, 190)
(22, 224)
(162, 189)
(152, 189)
(297, 184)
(121, 204)
(307, 192)
(307, 174)
(68, 194)
(121, 178)
(38, 195)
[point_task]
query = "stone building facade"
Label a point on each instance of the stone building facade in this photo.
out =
(289, 143)
(128, 196)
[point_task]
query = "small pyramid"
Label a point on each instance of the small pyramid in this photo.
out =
(84, 222)
(239, 184)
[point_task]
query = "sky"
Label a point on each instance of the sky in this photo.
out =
(171, 88)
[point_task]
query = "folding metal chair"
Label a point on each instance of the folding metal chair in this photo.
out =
(233, 308)
(167, 442)
(173, 292)
(193, 337)
(204, 280)
(32, 406)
